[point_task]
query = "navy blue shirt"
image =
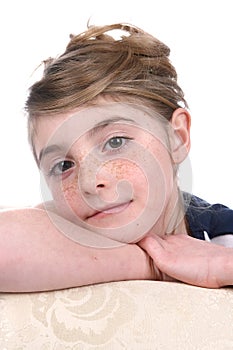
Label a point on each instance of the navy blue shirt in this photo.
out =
(214, 219)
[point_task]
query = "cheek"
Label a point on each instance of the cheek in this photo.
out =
(127, 177)
(67, 198)
(162, 157)
(125, 170)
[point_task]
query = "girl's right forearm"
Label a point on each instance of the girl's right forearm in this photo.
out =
(35, 256)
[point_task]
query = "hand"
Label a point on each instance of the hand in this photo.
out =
(190, 260)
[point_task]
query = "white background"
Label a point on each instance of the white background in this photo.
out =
(199, 33)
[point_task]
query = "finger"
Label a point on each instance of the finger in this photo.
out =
(152, 245)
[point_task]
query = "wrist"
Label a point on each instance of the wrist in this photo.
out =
(140, 264)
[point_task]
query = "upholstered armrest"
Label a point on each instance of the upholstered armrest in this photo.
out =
(128, 315)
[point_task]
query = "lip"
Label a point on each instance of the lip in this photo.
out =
(110, 210)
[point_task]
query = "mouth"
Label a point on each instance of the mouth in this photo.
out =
(110, 210)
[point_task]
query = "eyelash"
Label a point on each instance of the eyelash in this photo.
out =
(52, 171)
(117, 149)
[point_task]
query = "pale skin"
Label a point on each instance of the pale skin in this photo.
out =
(35, 256)
(189, 260)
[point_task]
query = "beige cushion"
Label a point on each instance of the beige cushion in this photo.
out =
(133, 315)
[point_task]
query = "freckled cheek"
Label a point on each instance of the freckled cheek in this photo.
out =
(128, 171)
(67, 197)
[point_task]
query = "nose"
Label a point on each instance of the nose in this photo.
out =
(99, 184)
(94, 178)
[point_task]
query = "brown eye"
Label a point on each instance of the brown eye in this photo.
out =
(62, 167)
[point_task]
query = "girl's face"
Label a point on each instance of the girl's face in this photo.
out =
(108, 167)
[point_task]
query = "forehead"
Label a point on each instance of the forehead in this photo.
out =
(85, 122)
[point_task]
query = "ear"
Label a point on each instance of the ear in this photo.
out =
(180, 140)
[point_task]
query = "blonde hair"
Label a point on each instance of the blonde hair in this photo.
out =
(136, 65)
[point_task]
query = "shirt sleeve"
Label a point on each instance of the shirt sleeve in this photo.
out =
(213, 219)
(225, 240)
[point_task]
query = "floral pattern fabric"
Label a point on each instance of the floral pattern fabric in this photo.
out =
(128, 315)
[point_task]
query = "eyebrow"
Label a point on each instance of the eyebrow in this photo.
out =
(103, 124)
(99, 126)
(47, 150)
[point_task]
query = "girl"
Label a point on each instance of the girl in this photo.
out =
(109, 126)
